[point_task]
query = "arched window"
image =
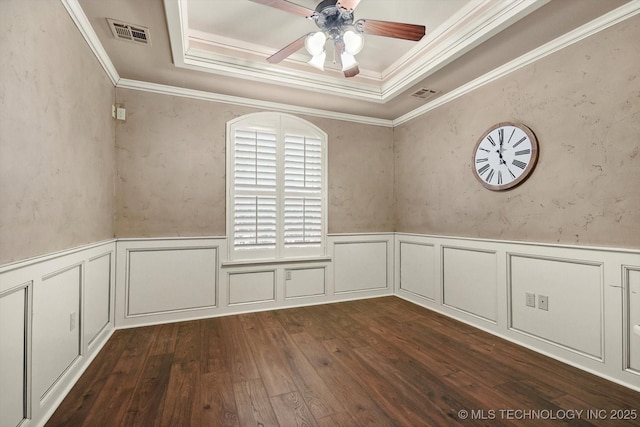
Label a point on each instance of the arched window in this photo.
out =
(276, 187)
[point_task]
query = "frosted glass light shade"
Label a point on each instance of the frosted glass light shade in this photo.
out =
(353, 42)
(348, 61)
(314, 43)
(317, 61)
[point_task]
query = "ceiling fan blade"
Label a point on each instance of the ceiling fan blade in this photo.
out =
(287, 50)
(352, 72)
(348, 4)
(391, 29)
(287, 7)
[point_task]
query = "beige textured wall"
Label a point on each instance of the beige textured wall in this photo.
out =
(56, 134)
(171, 169)
(583, 103)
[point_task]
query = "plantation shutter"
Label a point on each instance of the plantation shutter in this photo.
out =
(303, 191)
(254, 186)
(276, 187)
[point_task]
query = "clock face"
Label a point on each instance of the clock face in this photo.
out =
(505, 156)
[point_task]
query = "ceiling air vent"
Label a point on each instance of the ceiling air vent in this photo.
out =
(424, 93)
(129, 32)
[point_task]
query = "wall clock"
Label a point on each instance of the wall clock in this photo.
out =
(505, 156)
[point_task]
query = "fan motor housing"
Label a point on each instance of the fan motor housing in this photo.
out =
(329, 16)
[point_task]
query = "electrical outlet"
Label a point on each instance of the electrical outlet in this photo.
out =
(543, 302)
(530, 299)
(288, 275)
(72, 321)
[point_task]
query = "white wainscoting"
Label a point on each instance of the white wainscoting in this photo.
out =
(56, 313)
(362, 264)
(593, 296)
(472, 289)
(167, 280)
(631, 280)
(175, 279)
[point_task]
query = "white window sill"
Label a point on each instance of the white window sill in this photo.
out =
(246, 262)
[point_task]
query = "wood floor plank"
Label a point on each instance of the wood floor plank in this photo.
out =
(113, 399)
(213, 357)
(76, 407)
(150, 392)
(215, 404)
(291, 410)
(378, 362)
(274, 372)
(353, 396)
(254, 405)
(238, 353)
(319, 398)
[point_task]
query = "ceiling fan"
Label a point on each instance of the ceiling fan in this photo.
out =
(336, 22)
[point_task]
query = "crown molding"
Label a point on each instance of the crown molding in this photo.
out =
(466, 29)
(265, 72)
(248, 102)
(248, 50)
(487, 19)
(80, 19)
(605, 21)
(612, 18)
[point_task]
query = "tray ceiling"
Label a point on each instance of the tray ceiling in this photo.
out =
(220, 47)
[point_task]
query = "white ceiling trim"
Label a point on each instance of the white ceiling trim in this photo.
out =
(82, 22)
(465, 30)
(614, 17)
(265, 72)
(185, 56)
(249, 102)
(605, 21)
(201, 37)
(488, 19)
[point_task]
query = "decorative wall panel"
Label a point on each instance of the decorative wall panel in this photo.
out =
(170, 279)
(304, 282)
(633, 319)
(56, 327)
(251, 287)
(97, 291)
(360, 266)
(470, 281)
(573, 289)
(417, 269)
(13, 341)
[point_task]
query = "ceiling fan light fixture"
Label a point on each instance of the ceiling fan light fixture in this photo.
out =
(353, 42)
(317, 61)
(314, 43)
(348, 61)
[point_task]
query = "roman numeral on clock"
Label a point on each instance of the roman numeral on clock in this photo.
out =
(519, 142)
(491, 140)
(482, 160)
(522, 152)
(483, 169)
(519, 164)
(499, 177)
(490, 176)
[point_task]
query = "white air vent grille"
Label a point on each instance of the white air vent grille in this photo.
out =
(424, 93)
(129, 32)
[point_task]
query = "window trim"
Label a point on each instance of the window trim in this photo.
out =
(282, 123)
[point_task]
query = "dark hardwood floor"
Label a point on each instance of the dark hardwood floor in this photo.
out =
(376, 362)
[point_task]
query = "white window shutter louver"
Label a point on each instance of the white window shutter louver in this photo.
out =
(276, 190)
